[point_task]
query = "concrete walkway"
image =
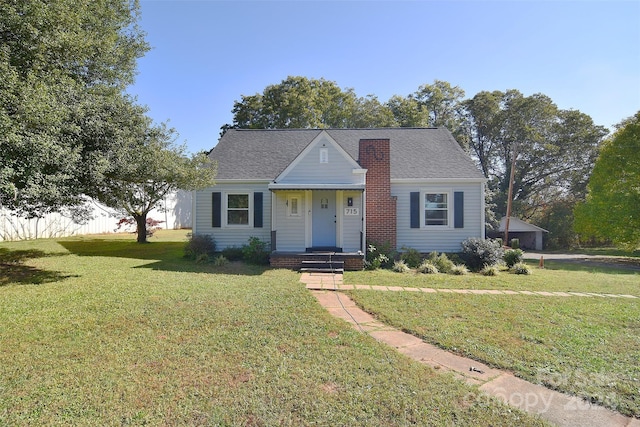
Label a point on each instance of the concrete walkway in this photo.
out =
(555, 407)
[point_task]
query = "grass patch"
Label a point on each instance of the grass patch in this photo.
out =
(585, 346)
(556, 276)
(130, 334)
(607, 251)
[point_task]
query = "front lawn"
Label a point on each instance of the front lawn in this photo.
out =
(555, 277)
(581, 345)
(102, 331)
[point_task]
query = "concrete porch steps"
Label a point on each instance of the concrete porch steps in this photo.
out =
(322, 266)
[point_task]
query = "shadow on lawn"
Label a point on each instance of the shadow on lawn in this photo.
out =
(13, 270)
(166, 256)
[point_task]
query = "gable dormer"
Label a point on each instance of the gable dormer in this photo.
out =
(322, 162)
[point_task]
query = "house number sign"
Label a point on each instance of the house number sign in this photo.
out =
(351, 211)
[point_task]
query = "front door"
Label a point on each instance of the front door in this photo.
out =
(324, 219)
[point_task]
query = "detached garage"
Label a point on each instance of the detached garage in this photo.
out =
(530, 235)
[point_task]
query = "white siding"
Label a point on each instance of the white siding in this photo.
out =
(227, 236)
(309, 170)
(442, 240)
(352, 224)
(290, 230)
(176, 215)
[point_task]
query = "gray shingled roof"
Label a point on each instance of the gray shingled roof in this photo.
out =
(248, 154)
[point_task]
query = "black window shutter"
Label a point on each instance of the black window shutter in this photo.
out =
(216, 212)
(415, 209)
(458, 209)
(257, 210)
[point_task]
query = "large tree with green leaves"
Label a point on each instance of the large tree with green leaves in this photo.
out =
(611, 210)
(554, 149)
(442, 103)
(64, 65)
(149, 166)
(297, 102)
(300, 102)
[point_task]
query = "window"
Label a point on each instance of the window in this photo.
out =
(237, 209)
(293, 203)
(324, 155)
(436, 209)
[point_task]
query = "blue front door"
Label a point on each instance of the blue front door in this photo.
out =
(324, 219)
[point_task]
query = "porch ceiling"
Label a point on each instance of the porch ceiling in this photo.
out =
(332, 186)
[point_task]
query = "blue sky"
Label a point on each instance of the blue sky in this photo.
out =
(584, 55)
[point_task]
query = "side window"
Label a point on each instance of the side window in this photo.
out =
(237, 209)
(436, 209)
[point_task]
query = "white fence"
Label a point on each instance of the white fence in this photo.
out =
(176, 215)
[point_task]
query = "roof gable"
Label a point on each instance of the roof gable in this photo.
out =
(517, 225)
(323, 160)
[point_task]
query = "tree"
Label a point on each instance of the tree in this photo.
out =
(56, 58)
(297, 102)
(611, 208)
(407, 112)
(479, 122)
(369, 112)
(555, 148)
(147, 168)
(442, 102)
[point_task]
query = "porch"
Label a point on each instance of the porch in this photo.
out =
(320, 261)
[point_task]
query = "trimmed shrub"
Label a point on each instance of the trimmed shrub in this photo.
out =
(401, 267)
(378, 257)
(411, 257)
(255, 252)
(233, 253)
(203, 259)
(427, 267)
(442, 262)
(512, 257)
(459, 270)
(515, 244)
(476, 253)
(220, 261)
(199, 244)
(490, 270)
(520, 268)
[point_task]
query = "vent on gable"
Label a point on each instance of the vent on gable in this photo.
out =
(324, 155)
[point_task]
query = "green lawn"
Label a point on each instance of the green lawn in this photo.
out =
(556, 276)
(102, 331)
(585, 346)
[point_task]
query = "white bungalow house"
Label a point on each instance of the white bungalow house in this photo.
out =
(334, 190)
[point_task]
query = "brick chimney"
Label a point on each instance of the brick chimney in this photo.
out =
(374, 155)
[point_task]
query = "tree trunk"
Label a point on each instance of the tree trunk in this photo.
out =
(141, 227)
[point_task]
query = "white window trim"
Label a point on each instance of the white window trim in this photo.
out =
(298, 197)
(225, 208)
(423, 196)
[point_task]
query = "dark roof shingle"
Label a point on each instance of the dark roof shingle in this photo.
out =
(416, 153)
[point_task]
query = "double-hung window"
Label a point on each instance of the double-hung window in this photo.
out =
(436, 209)
(237, 209)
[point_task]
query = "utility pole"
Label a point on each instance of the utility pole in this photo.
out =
(510, 195)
